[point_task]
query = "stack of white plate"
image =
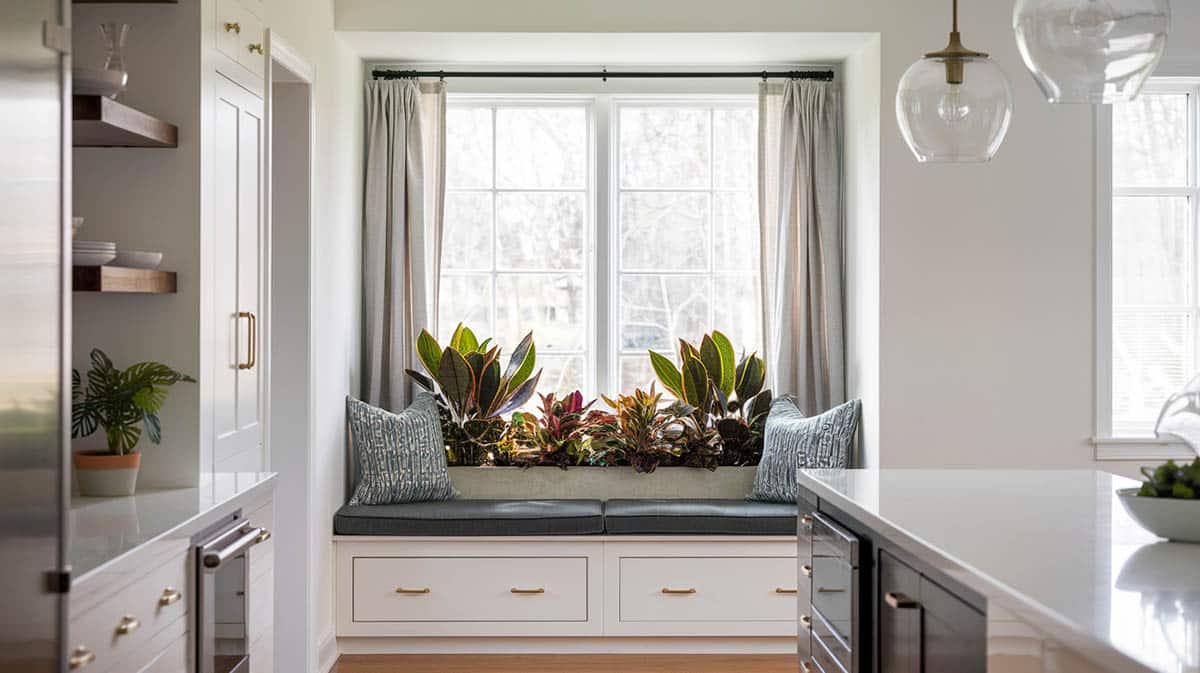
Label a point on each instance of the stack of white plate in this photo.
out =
(93, 253)
(138, 259)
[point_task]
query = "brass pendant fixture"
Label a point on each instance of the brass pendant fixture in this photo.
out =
(955, 104)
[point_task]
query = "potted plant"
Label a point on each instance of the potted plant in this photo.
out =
(125, 403)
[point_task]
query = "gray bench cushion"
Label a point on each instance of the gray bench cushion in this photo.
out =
(699, 517)
(473, 518)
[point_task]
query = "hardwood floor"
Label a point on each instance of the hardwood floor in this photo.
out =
(565, 663)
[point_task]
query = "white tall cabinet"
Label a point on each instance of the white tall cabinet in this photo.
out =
(238, 234)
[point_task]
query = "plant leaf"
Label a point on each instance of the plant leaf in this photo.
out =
(489, 389)
(153, 427)
(424, 381)
(667, 373)
(728, 363)
(429, 352)
(520, 396)
(456, 380)
(521, 363)
(711, 357)
(695, 383)
(752, 378)
(468, 343)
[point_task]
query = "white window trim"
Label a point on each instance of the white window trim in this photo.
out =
(601, 253)
(1107, 446)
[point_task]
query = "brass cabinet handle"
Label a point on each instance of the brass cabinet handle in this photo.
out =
(128, 625)
(170, 596)
(807, 520)
(252, 339)
(80, 657)
(233, 27)
(538, 590)
(823, 590)
(263, 536)
(679, 592)
(806, 569)
(781, 590)
(402, 590)
(806, 622)
(899, 601)
(255, 48)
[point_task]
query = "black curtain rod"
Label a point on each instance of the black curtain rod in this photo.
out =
(820, 75)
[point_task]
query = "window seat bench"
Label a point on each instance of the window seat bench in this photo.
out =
(471, 517)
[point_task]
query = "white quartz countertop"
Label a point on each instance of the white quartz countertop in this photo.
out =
(104, 529)
(1064, 569)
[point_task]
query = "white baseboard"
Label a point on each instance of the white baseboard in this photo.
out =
(599, 645)
(327, 653)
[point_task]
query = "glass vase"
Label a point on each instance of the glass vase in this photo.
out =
(114, 44)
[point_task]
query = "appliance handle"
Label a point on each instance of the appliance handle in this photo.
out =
(214, 559)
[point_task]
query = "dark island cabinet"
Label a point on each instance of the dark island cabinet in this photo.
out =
(914, 618)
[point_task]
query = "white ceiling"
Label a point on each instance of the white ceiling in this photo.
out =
(605, 49)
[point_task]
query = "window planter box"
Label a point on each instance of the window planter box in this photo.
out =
(601, 483)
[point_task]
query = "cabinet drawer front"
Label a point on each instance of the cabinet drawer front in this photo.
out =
(120, 625)
(708, 589)
(832, 639)
(251, 51)
(831, 540)
(231, 23)
(481, 589)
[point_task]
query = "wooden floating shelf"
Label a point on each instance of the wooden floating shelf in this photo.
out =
(98, 121)
(125, 2)
(120, 279)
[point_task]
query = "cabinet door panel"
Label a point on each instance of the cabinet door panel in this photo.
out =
(237, 282)
(899, 621)
(955, 633)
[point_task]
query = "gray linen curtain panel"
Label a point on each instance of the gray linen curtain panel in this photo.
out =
(402, 230)
(802, 243)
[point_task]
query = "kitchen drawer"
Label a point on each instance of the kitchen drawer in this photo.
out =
(829, 637)
(231, 21)
(831, 540)
(122, 624)
(824, 660)
(804, 576)
(479, 589)
(708, 589)
(252, 50)
(172, 658)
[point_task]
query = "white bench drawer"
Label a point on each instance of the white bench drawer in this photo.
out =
(504, 589)
(707, 589)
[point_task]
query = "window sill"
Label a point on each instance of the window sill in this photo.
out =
(1140, 448)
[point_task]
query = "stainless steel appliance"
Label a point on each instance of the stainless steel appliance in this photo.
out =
(835, 618)
(35, 148)
(224, 590)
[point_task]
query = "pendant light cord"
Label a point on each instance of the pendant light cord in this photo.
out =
(955, 12)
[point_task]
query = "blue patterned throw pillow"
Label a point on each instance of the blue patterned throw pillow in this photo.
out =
(792, 441)
(401, 457)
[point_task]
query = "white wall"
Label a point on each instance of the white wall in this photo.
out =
(307, 26)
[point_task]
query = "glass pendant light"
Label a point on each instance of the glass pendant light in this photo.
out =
(954, 105)
(1091, 51)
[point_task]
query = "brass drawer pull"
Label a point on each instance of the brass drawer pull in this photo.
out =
(806, 521)
(170, 596)
(781, 590)
(679, 592)
(263, 536)
(80, 657)
(402, 590)
(252, 340)
(806, 569)
(823, 590)
(899, 601)
(538, 590)
(128, 625)
(255, 48)
(233, 27)
(806, 622)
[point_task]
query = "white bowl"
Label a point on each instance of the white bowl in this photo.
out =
(138, 259)
(1172, 518)
(98, 81)
(92, 258)
(94, 245)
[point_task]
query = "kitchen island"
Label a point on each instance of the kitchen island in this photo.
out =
(996, 571)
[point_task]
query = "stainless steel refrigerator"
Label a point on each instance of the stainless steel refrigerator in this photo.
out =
(34, 342)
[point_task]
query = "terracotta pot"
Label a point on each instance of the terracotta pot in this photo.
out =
(106, 475)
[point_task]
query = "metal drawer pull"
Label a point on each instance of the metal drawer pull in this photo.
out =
(781, 590)
(823, 590)
(233, 27)
(538, 590)
(170, 596)
(263, 536)
(806, 520)
(80, 657)
(128, 625)
(806, 569)
(899, 601)
(806, 622)
(679, 592)
(255, 48)
(402, 590)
